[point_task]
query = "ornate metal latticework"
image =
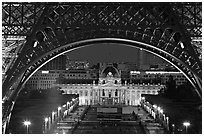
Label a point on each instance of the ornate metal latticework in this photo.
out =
(19, 18)
(190, 15)
(51, 29)
(10, 49)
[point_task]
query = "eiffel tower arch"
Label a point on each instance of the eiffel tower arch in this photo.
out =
(52, 29)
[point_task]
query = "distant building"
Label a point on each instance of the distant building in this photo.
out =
(42, 79)
(46, 79)
(148, 60)
(109, 90)
(155, 77)
(108, 86)
(128, 66)
(76, 64)
(58, 63)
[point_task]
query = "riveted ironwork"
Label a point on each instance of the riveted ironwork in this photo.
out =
(190, 15)
(162, 28)
(19, 18)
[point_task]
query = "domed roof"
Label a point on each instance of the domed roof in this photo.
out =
(110, 71)
(110, 74)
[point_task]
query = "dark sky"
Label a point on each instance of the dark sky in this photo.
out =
(106, 52)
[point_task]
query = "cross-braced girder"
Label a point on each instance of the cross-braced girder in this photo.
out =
(11, 46)
(59, 27)
(19, 18)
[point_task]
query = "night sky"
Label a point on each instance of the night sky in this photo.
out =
(106, 52)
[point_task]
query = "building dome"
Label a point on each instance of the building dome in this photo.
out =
(110, 72)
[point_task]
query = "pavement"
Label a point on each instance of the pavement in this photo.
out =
(91, 125)
(34, 110)
(178, 112)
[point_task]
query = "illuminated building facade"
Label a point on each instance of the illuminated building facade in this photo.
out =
(157, 77)
(110, 90)
(44, 79)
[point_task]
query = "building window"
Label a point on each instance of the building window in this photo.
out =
(103, 93)
(91, 94)
(109, 94)
(116, 92)
(80, 93)
(86, 93)
(86, 102)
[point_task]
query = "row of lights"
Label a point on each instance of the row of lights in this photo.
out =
(27, 123)
(47, 119)
(185, 124)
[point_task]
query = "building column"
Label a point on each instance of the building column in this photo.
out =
(118, 96)
(99, 96)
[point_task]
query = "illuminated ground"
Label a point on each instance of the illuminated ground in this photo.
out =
(34, 109)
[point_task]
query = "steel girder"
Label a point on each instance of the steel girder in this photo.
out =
(60, 27)
(19, 18)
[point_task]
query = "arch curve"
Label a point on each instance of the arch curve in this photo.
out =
(162, 49)
(135, 44)
(123, 25)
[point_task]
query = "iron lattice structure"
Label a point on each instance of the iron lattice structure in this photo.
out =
(50, 29)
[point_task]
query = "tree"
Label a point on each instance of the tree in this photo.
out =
(185, 91)
(170, 91)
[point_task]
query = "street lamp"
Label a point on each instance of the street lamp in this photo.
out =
(186, 124)
(73, 100)
(64, 105)
(46, 120)
(160, 111)
(27, 124)
(167, 122)
(158, 108)
(155, 106)
(53, 117)
(143, 98)
(59, 108)
(173, 128)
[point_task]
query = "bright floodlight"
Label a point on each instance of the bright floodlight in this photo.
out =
(186, 124)
(59, 108)
(161, 111)
(35, 44)
(143, 98)
(182, 45)
(46, 119)
(155, 106)
(27, 123)
(73, 99)
(159, 108)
